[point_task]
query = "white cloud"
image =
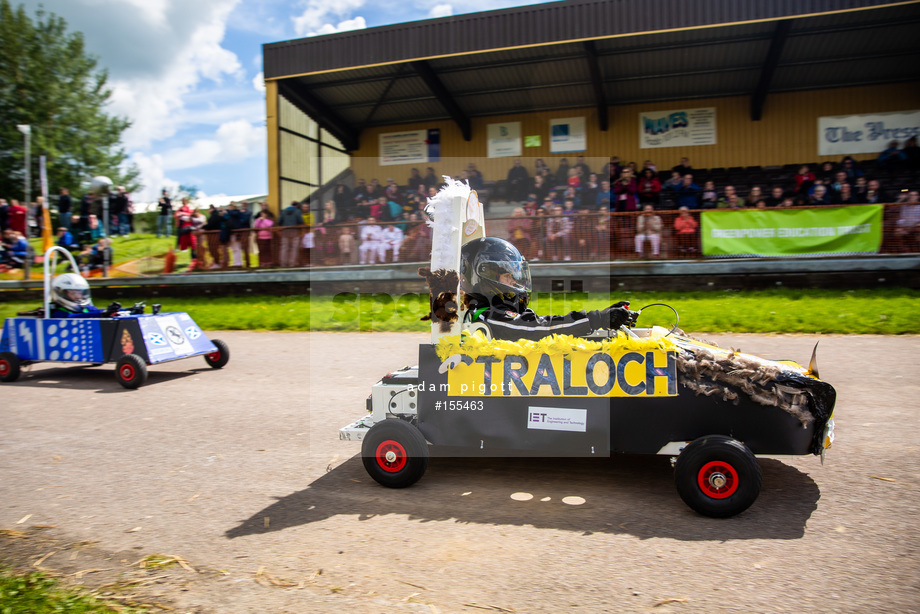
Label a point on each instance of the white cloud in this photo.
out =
(441, 10)
(319, 13)
(258, 82)
(357, 23)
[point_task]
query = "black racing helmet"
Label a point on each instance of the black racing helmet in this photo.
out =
(493, 272)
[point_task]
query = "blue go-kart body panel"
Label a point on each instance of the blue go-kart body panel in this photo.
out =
(155, 338)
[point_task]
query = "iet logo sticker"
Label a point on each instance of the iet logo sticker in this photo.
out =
(192, 332)
(557, 419)
(156, 339)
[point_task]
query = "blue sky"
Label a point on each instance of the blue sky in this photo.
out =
(188, 74)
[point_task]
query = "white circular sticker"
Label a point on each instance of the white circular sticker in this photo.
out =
(471, 226)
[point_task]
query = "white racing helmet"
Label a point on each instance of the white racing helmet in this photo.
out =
(71, 292)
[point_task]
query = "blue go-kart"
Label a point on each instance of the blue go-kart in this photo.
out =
(130, 338)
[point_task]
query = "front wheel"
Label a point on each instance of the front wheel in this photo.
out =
(9, 367)
(395, 453)
(131, 371)
(218, 359)
(718, 476)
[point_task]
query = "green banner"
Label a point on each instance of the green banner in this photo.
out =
(788, 232)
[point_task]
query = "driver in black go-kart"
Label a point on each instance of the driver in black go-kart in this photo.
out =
(496, 279)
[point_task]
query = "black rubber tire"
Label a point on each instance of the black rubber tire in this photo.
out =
(218, 359)
(10, 367)
(131, 371)
(407, 444)
(718, 476)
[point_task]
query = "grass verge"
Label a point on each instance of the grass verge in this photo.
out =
(36, 593)
(892, 311)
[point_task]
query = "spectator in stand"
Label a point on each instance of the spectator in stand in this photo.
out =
(343, 200)
(539, 166)
(755, 196)
(674, 182)
(574, 179)
(212, 235)
(688, 193)
(476, 180)
(348, 251)
(391, 238)
(18, 218)
(119, 211)
(66, 240)
(562, 172)
(531, 205)
(589, 189)
(860, 188)
(840, 179)
(539, 188)
(164, 215)
(891, 157)
(15, 250)
(828, 173)
(787, 203)
(184, 225)
(263, 223)
(612, 169)
(571, 194)
(686, 226)
(391, 191)
(804, 179)
(735, 202)
(683, 168)
(651, 165)
(911, 153)
(414, 179)
(603, 195)
(819, 197)
(875, 194)
(65, 204)
(417, 245)
(625, 192)
(432, 192)
(558, 235)
(601, 243)
(907, 231)
(518, 181)
(583, 169)
(709, 198)
(431, 180)
(849, 166)
(330, 213)
(648, 227)
(291, 219)
(845, 196)
(370, 241)
(728, 195)
(519, 229)
(775, 199)
(649, 187)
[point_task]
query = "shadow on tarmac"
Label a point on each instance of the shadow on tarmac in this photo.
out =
(633, 495)
(100, 378)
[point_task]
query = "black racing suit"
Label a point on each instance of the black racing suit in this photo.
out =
(507, 324)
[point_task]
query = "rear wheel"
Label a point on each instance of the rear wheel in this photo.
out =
(131, 371)
(9, 367)
(395, 453)
(718, 476)
(218, 359)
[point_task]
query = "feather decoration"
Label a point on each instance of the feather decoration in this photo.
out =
(445, 230)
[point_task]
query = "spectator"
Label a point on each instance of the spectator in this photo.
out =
(649, 187)
(583, 234)
(776, 197)
(674, 182)
(95, 258)
(819, 197)
(603, 195)
(907, 230)
(589, 189)
(213, 226)
(728, 197)
(688, 193)
(475, 177)
(602, 233)
(685, 226)
(574, 179)
(625, 192)
(15, 250)
(850, 169)
(650, 165)
(683, 168)
(709, 198)
(562, 172)
(755, 197)
(119, 212)
(330, 213)
(65, 204)
(648, 227)
(391, 238)
(184, 226)
(911, 153)
(828, 173)
(265, 219)
(417, 245)
(840, 178)
(845, 196)
(518, 181)
(18, 215)
(519, 229)
(431, 180)
(290, 220)
(343, 200)
(804, 180)
(539, 166)
(67, 240)
(414, 179)
(612, 169)
(531, 205)
(891, 157)
(583, 169)
(348, 253)
(164, 216)
(96, 231)
(874, 193)
(370, 241)
(558, 235)
(860, 189)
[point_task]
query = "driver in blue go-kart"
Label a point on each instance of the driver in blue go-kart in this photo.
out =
(70, 298)
(496, 279)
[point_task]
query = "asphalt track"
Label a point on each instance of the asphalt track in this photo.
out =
(240, 473)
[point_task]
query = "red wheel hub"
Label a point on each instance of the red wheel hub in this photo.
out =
(391, 456)
(214, 356)
(127, 372)
(4, 367)
(718, 479)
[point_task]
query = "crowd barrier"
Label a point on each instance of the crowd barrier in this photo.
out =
(579, 237)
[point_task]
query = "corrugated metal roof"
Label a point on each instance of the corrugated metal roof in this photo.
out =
(537, 58)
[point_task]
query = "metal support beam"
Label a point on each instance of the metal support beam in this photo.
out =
(780, 34)
(321, 114)
(383, 95)
(428, 75)
(597, 83)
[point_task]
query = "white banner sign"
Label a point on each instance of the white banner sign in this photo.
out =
(504, 139)
(681, 128)
(858, 134)
(409, 147)
(567, 135)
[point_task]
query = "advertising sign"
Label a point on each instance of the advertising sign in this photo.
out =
(504, 139)
(567, 135)
(859, 134)
(852, 229)
(410, 147)
(680, 128)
